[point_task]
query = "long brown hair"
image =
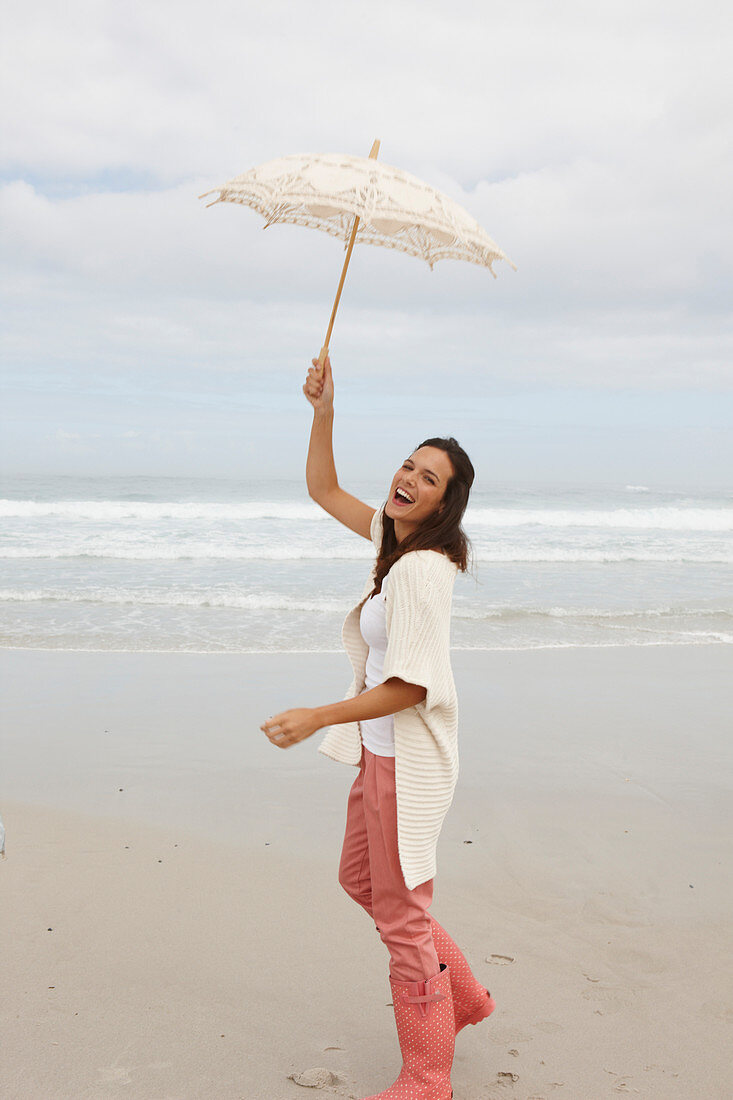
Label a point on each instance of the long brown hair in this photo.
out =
(440, 531)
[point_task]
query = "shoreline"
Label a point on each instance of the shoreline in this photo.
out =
(314, 652)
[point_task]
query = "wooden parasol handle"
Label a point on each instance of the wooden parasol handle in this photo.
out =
(324, 350)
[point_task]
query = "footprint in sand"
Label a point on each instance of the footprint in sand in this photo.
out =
(317, 1078)
(613, 1000)
(115, 1075)
(505, 1078)
(548, 1027)
(500, 960)
(503, 1036)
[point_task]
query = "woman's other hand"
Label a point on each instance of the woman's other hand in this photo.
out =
(318, 386)
(291, 726)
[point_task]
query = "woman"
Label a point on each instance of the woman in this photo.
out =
(398, 725)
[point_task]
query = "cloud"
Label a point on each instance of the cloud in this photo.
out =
(590, 141)
(605, 294)
(179, 90)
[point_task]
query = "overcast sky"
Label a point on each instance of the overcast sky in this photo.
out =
(143, 333)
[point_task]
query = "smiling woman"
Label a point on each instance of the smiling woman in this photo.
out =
(426, 505)
(425, 486)
(398, 725)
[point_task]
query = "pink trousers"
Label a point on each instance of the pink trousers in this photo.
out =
(370, 873)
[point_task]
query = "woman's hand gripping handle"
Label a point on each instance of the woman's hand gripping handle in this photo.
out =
(318, 386)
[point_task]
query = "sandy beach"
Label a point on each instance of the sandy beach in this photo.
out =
(172, 927)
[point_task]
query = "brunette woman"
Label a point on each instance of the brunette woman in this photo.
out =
(398, 725)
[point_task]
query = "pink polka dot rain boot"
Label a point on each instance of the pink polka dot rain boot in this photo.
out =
(471, 1002)
(426, 1033)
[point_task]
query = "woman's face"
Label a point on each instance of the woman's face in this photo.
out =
(418, 488)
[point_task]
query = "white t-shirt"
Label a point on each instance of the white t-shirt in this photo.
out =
(377, 734)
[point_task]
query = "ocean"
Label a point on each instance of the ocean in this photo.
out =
(208, 565)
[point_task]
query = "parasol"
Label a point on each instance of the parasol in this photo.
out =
(359, 198)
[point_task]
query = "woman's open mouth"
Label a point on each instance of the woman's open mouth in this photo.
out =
(402, 497)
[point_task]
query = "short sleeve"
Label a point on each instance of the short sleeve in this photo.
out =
(418, 622)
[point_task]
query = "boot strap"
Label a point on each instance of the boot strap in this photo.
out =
(424, 998)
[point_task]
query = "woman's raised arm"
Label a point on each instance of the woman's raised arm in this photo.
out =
(320, 469)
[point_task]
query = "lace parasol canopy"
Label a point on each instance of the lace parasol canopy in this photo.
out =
(395, 209)
(357, 198)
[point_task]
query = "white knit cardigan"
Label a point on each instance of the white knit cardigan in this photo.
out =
(418, 605)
